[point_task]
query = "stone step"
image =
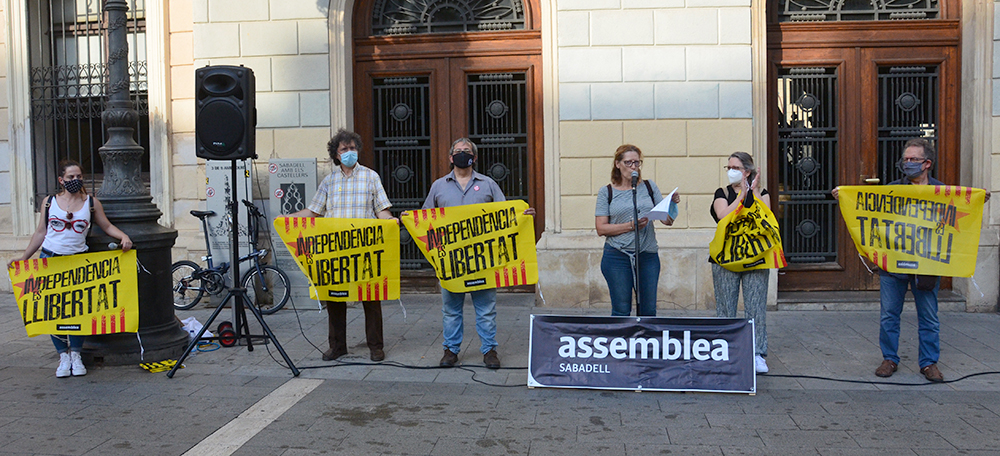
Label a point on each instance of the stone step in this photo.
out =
(948, 300)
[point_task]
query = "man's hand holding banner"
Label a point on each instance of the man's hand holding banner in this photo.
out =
(915, 229)
(748, 238)
(478, 246)
(344, 259)
(80, 295)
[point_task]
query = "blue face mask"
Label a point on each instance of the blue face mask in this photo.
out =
(911, 170)
(349, 158)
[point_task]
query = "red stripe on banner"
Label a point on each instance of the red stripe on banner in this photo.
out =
(295, 222)
(93, 326)
(385, 287)
(524, 273)
(442, 212)
(112, 325)
(104, 324)
(288, 225)
(45, 262)
(506, 277)
(947, 190)
(885, 261)
(361, 297)
(434, 214)
(123, 319)
(426, 217)
(376, 293)
(17, 267)
(369, 291)
(497, 274)
(968, 195)
(937, 189)
(36, 263)
(312, 222)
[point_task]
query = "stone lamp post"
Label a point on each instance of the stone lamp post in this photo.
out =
(130, 207)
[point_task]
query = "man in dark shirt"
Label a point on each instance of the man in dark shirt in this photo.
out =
(919, 156)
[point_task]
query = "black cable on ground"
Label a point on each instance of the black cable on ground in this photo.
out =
(869, 382)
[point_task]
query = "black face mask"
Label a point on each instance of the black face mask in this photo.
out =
(463, 160)
(73, 185)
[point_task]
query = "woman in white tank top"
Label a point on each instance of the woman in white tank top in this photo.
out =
(62, 230)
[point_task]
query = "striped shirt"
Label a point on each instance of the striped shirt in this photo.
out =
(359, 195)
(620, 211)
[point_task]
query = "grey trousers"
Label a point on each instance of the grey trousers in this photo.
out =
(727, 296)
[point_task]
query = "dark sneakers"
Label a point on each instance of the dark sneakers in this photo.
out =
(932, 373)
(378, 354)
(491, 359)
(886, 369)
(330, 355)
(449, 359)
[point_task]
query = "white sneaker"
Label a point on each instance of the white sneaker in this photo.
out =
(80, 370)
(64, 366)
(759, 364)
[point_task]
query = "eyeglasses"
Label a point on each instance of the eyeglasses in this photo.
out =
(733, 168)
(458, 151)
(914, 159)
(631, 163)
(57, 224)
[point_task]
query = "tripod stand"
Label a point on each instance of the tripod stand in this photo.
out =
(240, 301)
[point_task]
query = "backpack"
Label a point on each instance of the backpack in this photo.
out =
(649, 188)
(90, 203)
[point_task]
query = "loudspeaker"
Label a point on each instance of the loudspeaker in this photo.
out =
(225, 114)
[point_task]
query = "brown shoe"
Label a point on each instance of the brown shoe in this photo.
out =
(932, 373)
(378, 354)
(449, 359)
(491, 359)
(886, 369)
(330, 355)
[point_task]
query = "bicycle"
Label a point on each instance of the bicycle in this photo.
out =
(267, 286)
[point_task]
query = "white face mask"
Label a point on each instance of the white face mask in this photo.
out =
(735, 176)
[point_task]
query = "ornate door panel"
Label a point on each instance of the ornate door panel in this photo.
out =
(417, 108)
(844, 98)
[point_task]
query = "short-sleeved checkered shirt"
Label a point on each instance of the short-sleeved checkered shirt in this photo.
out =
(359, 195)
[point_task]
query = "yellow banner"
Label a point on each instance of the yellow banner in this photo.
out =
(344, 259)
(478, 246)
(79, 295)
(916, 229)
(748, 238)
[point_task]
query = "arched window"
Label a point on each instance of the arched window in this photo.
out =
(411, 17)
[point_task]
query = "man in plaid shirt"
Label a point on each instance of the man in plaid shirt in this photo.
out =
(352, 190)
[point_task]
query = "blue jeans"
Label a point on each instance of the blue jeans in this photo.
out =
(617, 270)
(485, 303)
(892, 290)
(64, 343)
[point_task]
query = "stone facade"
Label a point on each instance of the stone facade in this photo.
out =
(679, 78)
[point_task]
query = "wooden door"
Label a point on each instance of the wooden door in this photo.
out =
(467, 69)
(844, 98)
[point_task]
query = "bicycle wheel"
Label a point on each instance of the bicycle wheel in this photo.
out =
(187, 289)
(269, 294)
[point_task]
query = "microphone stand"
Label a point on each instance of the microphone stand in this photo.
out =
(635, 251)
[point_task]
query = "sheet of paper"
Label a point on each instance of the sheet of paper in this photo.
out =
(666, 208)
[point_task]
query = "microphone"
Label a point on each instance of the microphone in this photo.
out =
(635, 178)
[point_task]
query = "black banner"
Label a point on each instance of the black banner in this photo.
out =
(656, 354)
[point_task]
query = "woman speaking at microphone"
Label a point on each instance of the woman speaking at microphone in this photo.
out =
(615, 220)
(743, 178)
(62, 230)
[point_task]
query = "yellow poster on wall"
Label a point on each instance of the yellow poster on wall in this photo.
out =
(478, 246)
(748, 238)
(344, 259)
(915, 229)
(80, 295)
